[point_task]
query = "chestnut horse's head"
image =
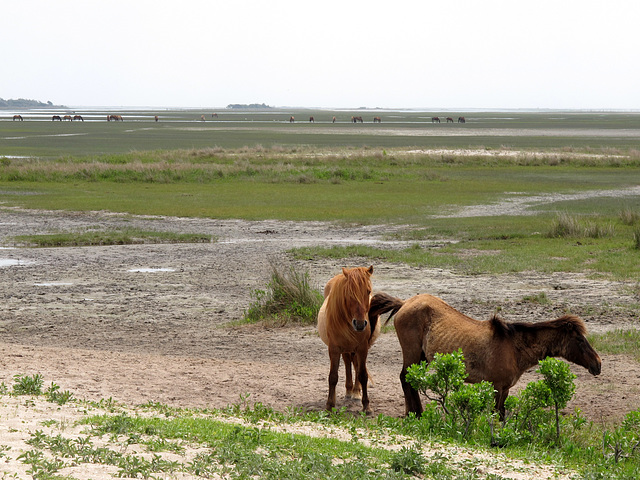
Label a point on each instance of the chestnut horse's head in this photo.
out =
(577, 348)
(357, 295)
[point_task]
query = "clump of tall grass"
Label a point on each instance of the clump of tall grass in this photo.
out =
(628, 216)
(289, 298)
(569, 226)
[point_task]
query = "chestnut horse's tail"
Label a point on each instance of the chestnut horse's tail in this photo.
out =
(382, 303)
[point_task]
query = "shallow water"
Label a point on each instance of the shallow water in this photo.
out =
(11, 262)
(151, 270)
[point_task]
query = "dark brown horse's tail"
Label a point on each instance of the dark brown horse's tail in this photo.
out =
(382, 303)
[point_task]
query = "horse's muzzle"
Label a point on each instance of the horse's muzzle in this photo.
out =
(595, 368)
(359, 326)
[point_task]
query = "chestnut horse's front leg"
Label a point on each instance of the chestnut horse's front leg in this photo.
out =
(348, 384)
(334, 360)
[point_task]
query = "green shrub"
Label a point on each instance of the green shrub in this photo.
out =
(444, 376)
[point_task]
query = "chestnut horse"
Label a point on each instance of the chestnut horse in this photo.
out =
(377, 120)
(494, 350)
(18, 117)
(346, 328)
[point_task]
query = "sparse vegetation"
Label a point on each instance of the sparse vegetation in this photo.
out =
(106, 237)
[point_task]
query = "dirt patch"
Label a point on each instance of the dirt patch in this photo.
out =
(147, 322)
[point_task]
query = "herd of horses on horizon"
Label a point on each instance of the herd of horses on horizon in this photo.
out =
(119, 118)
(494, 350)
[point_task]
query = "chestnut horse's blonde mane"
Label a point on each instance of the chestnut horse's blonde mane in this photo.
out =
(352, 285)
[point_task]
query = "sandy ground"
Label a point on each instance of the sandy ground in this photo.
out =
(147, 322)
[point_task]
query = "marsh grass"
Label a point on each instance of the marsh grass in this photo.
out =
(629, 216)
(129, 236)
(570, 226)
(288, 298)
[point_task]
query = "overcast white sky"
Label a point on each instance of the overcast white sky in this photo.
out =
(448, 54)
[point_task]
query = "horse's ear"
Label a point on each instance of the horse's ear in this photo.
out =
(344, 271)
(370, 270)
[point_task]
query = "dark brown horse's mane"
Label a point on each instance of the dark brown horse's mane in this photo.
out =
(567, 323)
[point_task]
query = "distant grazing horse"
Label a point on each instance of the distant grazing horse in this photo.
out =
(435, 119)
(78, 117)
(449, 120)
(494, 350)
(377, 120)
(18, 117)
(312, 120)
(214, 115)
(56, 117)
(67, 117)
(357, 119)
(156, 118)
(346, 328)
(115, 118)
(461, 120)
(334, 120)
(291, 119)
(202, 118)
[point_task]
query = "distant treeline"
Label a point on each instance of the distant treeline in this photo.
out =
(250, 106)
(26, 103)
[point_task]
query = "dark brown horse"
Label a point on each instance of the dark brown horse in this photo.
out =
(377, 120)
(449, 120)
(115, 118)
(494, 350)
(56, 117)
(357, 119)
(291, 119)
(18, 117)
(346, 328)
(435, 119)
(78, 117)
(334, 120)
(312, 120)
(461, 120)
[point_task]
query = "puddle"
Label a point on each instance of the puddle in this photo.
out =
(151, 270)
(53, 284)
(10, 262)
